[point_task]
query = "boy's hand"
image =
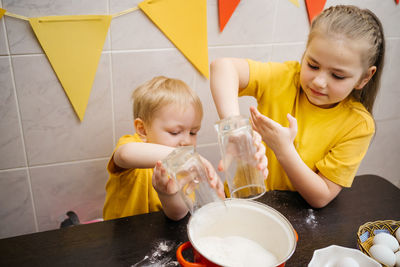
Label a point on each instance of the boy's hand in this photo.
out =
(273, 134)
(213, 178)
(162, 183)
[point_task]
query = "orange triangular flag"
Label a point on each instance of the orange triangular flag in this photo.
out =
(226, 9)
(73, 45)
(314, 7)
(185, 25)
(2, 11)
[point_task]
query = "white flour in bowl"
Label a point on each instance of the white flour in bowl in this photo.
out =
(235, 251)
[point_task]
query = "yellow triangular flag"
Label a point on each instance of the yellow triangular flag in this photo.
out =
(295, 2)
(2, 11)
(73, 45)
(185, 24)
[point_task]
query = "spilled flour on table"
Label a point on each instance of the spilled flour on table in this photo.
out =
(310, 219)
(161, 255)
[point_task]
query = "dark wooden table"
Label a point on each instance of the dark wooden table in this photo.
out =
(151, 239)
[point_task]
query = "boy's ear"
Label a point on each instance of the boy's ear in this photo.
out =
(140, 129)
(370, 72)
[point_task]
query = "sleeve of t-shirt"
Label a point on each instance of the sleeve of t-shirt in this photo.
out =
(341, 163)
(111, 166)
(267, 78)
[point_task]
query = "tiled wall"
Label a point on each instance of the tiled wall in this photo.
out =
(51, 163)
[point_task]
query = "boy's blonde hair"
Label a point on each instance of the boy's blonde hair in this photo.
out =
(160, 91)
(360, 25)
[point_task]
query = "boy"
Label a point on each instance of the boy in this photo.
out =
(167, 114)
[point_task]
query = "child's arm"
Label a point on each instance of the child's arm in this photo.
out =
(140, 155)
(228, 77)
(173, 205)
(316, 189)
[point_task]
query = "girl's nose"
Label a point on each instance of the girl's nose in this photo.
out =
(320, 81)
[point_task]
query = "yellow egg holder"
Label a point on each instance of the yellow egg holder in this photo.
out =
(367, 231)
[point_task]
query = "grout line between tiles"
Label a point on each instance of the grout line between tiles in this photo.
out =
(111, 84)
(67, 162)
(20, 128)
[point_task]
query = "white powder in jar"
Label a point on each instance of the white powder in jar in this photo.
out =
(235, 251)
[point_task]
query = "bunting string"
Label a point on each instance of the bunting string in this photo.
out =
(129, 10)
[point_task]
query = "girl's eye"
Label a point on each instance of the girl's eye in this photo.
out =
(173, 133)
(337, 76)
(193, 133)
(313, 66)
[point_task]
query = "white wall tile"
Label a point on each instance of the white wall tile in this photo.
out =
(134, 30)
(287, 52)
(79, 187)
(384, 153)
(16, 210)
(251, 23)
(292, 23)
(388, 99)
(52, 130)
(3, 40)
(11, 144)
(130, 69)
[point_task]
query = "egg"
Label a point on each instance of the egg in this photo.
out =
(397, 234)
(387, 240)
(397, 254)
(347, 262)
(383, 254)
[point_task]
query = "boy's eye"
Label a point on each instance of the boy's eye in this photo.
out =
(173, 133)
(193, 133)
(313, 66)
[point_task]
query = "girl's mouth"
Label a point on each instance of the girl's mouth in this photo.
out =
(316, 92)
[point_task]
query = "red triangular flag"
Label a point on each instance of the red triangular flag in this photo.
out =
(397, 1)
(314, 7)
(226, 9)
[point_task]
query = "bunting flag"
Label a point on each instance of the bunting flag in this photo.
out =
(314, 7)
(184, 23)
(397, 2)
(73, 45)
(225, 10)
(295, 2)
(2, 11)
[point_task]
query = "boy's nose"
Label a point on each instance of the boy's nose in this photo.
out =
(186, 140)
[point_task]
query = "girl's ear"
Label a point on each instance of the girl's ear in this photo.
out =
(370, 72)
(140, 129)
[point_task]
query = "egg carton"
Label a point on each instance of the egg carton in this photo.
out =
(367, 231)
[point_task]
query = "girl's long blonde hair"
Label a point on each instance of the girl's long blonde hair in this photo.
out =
(360, 25)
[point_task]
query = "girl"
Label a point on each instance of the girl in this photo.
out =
(314, 117)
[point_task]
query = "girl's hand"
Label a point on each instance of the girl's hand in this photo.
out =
(260, 157)
(273, 134)
(162, 183)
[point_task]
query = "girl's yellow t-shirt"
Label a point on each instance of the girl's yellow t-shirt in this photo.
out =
(129, 191)
(332, 141)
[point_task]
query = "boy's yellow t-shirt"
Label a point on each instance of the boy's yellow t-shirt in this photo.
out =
(129, 191)
(332, 141)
